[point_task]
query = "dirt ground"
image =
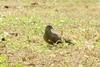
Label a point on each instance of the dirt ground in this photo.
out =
(78, 19)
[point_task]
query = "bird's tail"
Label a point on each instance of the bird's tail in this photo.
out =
(69, 41)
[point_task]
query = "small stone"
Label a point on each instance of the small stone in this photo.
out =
(6, 6)
(3, 39)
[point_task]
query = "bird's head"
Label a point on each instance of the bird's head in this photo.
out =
(48, 28)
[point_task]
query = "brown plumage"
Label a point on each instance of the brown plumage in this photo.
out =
(53, 38)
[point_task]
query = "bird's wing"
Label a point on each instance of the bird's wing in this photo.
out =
(55, 37)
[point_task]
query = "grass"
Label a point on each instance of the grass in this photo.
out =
(78, 19)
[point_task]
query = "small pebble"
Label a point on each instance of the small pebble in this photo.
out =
(6, 6)
(3, 39)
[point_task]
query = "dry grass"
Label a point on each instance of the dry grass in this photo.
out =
(78, 19)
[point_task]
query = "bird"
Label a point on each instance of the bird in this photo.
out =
(52, 38)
